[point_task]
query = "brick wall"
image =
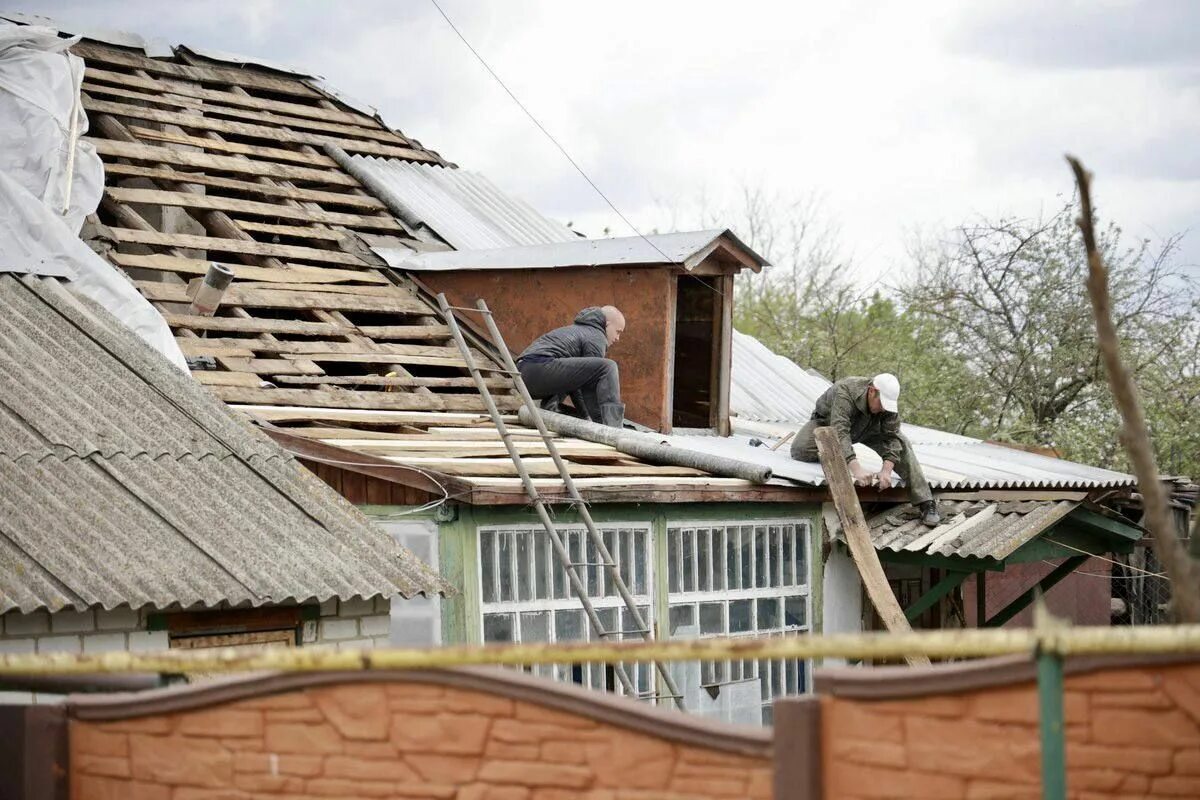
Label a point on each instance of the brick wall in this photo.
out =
(401, 738)
(1131, 732)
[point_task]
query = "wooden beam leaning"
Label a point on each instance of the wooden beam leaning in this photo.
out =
(858, 536)
(139, 151)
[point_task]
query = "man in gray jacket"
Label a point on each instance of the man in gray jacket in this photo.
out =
(571, 361)
(865, 410)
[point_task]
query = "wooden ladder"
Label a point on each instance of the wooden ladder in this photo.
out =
(541, 505)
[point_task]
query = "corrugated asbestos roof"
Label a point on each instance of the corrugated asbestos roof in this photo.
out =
(126, 482)
(683, 249)
(770, 397)
(978, 529)
(464, 208)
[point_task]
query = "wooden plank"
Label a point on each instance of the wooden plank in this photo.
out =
(401, 303)
(384, 359)
(195, 346)
(248, 187)
(249, 78)
(165, 97)
(294, 231)
(170, 155)
(189, 241)
(380, 380)
(214, 378)
(237, 148)
(243, 272)
(234, 324)
(227, 98)
(374, 290)
(858, 537)
(250, 130)
(537, 467)
(405, 331)
(265, 346)
(159, 197)
(381, 401)
(272, 413)
(270, 366)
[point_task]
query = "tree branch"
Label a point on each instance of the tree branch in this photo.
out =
(1183, 571)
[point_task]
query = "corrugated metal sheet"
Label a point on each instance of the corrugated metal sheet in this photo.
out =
(464, 208)
(770, 397)
(683, 249)
(127, 482)
(977, 529)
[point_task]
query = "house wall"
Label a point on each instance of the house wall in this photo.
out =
(462, 615)
(1084, 596)
(345, 624)
(1130, 732)
(527, 303)
(465, 736)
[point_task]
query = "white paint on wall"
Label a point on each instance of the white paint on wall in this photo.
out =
(416, 621)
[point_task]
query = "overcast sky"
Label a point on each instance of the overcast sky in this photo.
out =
(898, 115)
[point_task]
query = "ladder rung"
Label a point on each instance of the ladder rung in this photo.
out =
(626, 633)
(591, 564)
(469, 308)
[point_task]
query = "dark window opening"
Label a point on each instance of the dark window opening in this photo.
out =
(697, 308)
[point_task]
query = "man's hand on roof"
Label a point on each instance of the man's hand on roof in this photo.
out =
(860, 475)
(885, 480)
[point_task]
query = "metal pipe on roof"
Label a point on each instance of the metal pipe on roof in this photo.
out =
(648, 447)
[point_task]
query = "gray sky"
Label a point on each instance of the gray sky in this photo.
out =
(900, 116)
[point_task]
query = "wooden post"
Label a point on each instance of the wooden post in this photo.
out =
(858, 537)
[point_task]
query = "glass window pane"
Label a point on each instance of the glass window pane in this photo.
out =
(689, 561)
(504, 580)
(569, 625)
(732, 568)
(608, 621)
(487, 564)
(735, 671)
(801, 558)
(789, 556)
(777, 678)
(762, 550)
(703, 542)
(541, 557)
(741, 616)
(535, 626)
(712, 618)
(611, 542)
(674, 558)
(777, 562)
(718, 558)
(641, 541)
(795, 611)
(764, 683)
(498, 628)
(768, 613)
(747, 557)
(682, 617)
(524, 541)
(593, 571)
(562, 585)
(792, 676)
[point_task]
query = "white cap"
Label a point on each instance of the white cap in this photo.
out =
(889, 390)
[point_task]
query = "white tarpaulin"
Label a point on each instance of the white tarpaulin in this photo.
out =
(46, 192)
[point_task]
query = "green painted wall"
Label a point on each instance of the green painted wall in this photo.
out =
(458, 549)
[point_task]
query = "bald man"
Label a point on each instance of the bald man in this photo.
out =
(572, 361)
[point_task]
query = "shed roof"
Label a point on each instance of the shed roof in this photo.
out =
(685, 250)
(125, 482)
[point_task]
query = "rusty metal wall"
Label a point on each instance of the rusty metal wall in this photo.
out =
(527, 303)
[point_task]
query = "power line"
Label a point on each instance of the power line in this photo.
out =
(549, 136)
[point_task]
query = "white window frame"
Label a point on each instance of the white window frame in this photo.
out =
(594, 675)
(695, 597)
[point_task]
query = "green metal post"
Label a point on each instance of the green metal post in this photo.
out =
(1050, 705)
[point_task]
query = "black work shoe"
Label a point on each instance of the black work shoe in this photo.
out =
(929, 514)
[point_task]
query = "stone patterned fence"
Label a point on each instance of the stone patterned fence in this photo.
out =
(971, 731)
(467, 734)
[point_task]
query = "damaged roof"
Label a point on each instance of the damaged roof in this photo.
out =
(771, 396)
(125, 482)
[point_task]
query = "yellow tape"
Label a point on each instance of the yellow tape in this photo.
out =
(935, 644)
